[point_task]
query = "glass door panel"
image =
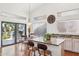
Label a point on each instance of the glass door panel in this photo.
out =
(20, 30)
(8, 33)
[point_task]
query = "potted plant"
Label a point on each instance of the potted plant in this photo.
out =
(47, 37)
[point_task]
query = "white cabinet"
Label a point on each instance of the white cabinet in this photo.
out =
(76, 45)
(71, 44)
(68, 44)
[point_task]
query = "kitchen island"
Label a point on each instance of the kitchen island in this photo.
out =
(55, 45)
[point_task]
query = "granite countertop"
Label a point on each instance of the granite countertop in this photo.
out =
(54, 41)
(65, 35)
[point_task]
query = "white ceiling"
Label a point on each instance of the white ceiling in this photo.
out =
(20, 9)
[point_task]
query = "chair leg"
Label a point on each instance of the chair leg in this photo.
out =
(44, 53)
(34, 53)
(50, 54)
(39, 52)
(30, 53)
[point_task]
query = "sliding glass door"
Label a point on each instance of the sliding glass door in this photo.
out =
(8, 33)
(11, 33)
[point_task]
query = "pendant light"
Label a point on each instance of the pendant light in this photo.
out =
(29, 6)
(29, 20)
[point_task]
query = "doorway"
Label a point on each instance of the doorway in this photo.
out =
(11, 33)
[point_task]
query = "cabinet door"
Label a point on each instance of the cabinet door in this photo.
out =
(76, 45)
(68, 44)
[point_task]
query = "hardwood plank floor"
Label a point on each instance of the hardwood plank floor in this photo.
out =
(19, 50)
(68, 53)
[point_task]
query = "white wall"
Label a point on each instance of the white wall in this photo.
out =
(53, 8)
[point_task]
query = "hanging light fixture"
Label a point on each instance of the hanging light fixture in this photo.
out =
(29, 20)
(29, 6)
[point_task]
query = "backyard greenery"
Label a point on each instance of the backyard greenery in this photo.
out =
(7, 30)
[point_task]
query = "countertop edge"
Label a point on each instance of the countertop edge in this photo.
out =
(48, 43)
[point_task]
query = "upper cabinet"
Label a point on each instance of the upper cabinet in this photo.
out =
(68, 27)
(68, 22)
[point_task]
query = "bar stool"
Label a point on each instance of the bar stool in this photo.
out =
(42, 50)
(31, 48)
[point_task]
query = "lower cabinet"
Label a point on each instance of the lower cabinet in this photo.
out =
(76, 45)
(71, 44)
(68, 44)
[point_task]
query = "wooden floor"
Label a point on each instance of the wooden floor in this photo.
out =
(16, 50)
(68, 53)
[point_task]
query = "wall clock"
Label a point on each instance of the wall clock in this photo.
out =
(51, 19)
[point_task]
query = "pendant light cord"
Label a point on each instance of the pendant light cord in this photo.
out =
(29, 13)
